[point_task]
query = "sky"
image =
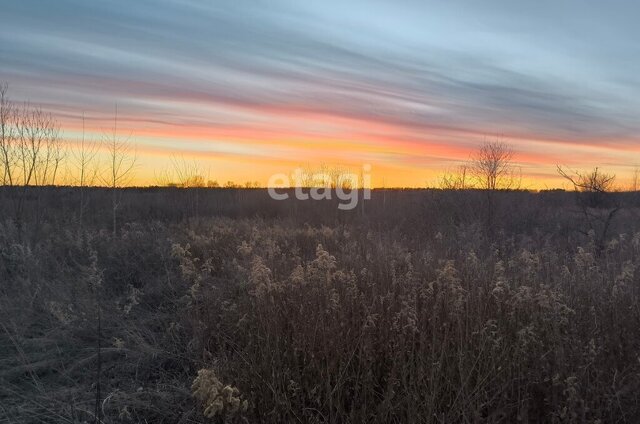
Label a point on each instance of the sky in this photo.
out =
(412, 87)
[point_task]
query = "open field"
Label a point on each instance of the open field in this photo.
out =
(319, 212)
(222, 305)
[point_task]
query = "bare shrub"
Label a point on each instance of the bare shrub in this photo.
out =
(458, 179)
(217, 399)
(119, 170)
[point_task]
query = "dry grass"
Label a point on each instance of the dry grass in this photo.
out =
(341, 323)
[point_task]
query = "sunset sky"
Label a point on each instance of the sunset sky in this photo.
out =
(252, 88)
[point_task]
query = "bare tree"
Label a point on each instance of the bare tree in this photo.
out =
(38, 142)
(120, 167)
(84, 162)
(595, 185)
(493, 167)
(52, 156)
(598, 207)
(31, 150)
(7, 137)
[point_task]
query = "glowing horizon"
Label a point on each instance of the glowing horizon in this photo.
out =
(411, 88)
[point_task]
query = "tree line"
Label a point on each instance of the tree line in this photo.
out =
(33, 153)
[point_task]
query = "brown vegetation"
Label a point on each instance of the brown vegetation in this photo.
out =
(259, 311)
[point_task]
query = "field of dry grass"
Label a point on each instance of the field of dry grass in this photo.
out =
(416, 309)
